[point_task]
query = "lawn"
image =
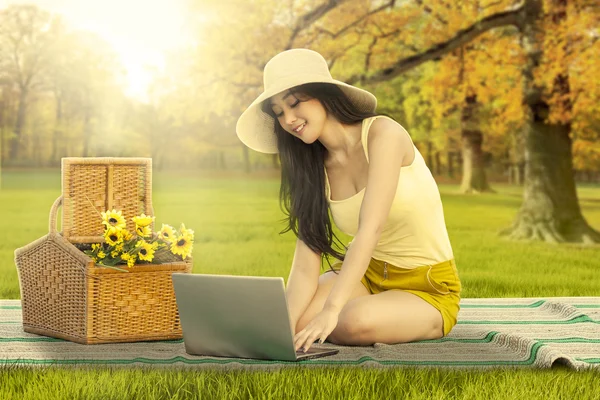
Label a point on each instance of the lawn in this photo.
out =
(237, 223)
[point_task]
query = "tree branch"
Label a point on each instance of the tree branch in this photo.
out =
(429, 11)
(357, 21)
(516, 17)
(341, 53)
(492, 5)
(384, 35)
(311, 17)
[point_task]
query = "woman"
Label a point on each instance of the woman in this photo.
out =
(397, 281)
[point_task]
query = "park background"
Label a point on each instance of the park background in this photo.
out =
(500, 97)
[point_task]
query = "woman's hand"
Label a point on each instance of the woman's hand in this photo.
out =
(318, 328)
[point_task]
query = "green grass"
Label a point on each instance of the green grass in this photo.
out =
(237, 224)
(301, 383)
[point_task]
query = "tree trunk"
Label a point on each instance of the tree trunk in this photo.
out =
(450, 156)
(246, 155)
(222, 164)
(16, 141)
(56, 135)
(517, 174)
(87, 132)
(550, 209)
(429, 155)
(474, 179)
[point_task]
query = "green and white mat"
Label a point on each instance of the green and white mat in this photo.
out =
(505, 332)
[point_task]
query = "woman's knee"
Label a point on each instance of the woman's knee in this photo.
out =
(353, 325)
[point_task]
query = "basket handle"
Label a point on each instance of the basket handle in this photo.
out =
(53, 212)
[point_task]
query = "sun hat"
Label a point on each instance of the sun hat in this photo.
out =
(288, 69)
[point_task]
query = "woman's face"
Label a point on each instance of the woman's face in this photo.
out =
(299, 115)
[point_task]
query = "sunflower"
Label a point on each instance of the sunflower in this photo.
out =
(186, 232)
(146, 252)
(167, 233)
(113, 236)
(127, 235)
(143, 231)
(182, 246)
(143, 220)
(113, 218)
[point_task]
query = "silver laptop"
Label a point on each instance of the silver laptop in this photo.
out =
(237, 316)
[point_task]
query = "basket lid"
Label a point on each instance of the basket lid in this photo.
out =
(91, 185)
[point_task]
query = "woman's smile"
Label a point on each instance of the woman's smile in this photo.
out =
(300, 129)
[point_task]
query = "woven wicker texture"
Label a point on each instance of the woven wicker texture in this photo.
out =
(126, 305)
(123, 184)
(65, 295)
(52, 288)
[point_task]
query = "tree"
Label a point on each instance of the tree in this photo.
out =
(26, 38)
(550, 210)
(555, 216)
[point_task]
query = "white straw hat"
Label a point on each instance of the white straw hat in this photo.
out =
(286, 70)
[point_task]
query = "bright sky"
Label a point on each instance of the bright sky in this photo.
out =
(139, 30)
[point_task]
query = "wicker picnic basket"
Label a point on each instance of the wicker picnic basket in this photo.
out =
(65, 295)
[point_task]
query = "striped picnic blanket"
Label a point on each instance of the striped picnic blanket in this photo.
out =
(491, 333)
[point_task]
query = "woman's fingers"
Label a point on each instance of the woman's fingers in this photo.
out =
(305, 338)
(300, 338)
(311, 339)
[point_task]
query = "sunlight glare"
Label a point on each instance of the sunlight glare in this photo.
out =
(139, 31)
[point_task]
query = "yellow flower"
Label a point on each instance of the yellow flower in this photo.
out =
(95, 246)
(167, 233)
(143, 231)
(143, 220)
(125, 256)
(119, 247)
(186, 232)
(113, 236)
(114, 253)
(131, 261)
(182, 246)
(113, 218)
(101, 254)
(146, 252)
(127, 235)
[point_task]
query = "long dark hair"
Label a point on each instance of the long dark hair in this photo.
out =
(302, 195)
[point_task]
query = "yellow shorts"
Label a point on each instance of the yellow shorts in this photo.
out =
(437, 284)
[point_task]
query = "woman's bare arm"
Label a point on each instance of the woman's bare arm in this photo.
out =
(303, 281)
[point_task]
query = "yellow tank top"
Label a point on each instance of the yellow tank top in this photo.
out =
(415, 232)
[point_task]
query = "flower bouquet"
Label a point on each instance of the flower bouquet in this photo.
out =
(124, 247)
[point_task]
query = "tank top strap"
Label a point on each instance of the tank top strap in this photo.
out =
(365, 134)
(364, 137)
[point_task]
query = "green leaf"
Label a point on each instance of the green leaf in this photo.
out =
(112, 267)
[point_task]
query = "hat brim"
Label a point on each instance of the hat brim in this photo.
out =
(256, 129)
